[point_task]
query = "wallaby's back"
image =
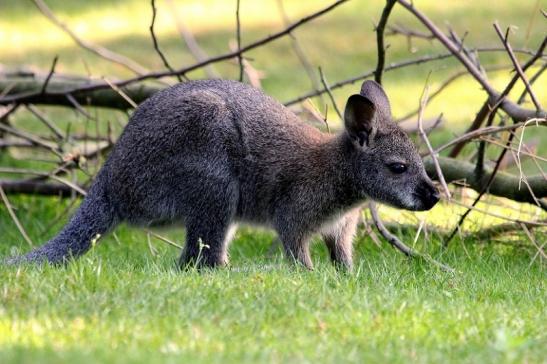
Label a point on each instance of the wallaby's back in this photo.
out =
(211, 153)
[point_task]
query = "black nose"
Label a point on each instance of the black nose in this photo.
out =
(428, 194)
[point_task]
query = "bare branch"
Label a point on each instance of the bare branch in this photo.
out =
(434, 156)
(380, 40)
(300, 54)
(399, 245)
(489, 130)
(31, 97)
(14, 217)
(519, 70)
(48, 77)
(155, 41)
(238, 37)
(329, 92)
(40, 116)
(391, 67)
(191, 43)
(516, 112)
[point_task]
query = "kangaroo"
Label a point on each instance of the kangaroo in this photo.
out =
(209, 154)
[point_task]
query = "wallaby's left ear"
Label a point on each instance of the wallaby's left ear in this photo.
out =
(375, 93)
(359, 119)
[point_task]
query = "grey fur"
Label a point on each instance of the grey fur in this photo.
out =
(211, 153)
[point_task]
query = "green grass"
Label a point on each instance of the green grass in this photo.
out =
(126, 302)
(121, 304)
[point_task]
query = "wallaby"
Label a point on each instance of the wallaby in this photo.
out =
(212, 153)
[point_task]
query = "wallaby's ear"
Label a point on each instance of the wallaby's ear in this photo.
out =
(375, 93)
(358, 118)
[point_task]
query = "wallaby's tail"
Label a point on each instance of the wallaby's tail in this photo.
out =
(95, 217)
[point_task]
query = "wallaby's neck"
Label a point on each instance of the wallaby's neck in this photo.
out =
(333, 171)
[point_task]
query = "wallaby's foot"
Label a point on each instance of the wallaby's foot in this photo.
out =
(299, 253)
(340, 255)
(206, 244)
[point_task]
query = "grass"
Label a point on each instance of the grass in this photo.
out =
(125, 302)
(122, 304)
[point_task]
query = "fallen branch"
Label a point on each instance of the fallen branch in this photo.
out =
(503, 184)
(30, 187)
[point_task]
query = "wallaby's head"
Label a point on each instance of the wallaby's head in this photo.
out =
(386, 164)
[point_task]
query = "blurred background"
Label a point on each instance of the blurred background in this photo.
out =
(342, 43)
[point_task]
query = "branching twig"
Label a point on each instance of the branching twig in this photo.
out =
(191, 43)
(163, 238)
(516, 63)
(329, 92)
(434, 156)
(97, 50)
(238, 37)
(51, 126)
(156, 45)
(48, 77)
(14, 217)
(490, 104)
(399, 245)
(391, 67)
(380, 40)
(300, 54)
(513, 110)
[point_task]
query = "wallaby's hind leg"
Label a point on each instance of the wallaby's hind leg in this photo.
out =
(208, 230)
(206, 242)
(339, 239)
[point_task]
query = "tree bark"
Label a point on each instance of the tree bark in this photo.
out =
(504, 184)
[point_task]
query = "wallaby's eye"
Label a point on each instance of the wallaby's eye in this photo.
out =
(397, 168)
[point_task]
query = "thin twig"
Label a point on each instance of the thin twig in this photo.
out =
(488, 130)
(531, 237)
(443, 86)
(191, 43)
(300, 54)
(434, 156)
(51, 126)
(516, 63)
(97, 50)
(380, 40)
(390, 67)
(329, 92)
(533, 79)
(14, 217)
(238, 37)
(121, 93)
(399, 245)
(48, 77)
(156, 45)
(163, 238)
(30, 97)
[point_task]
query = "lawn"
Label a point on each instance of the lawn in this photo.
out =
(125, 301)
(123, 304)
